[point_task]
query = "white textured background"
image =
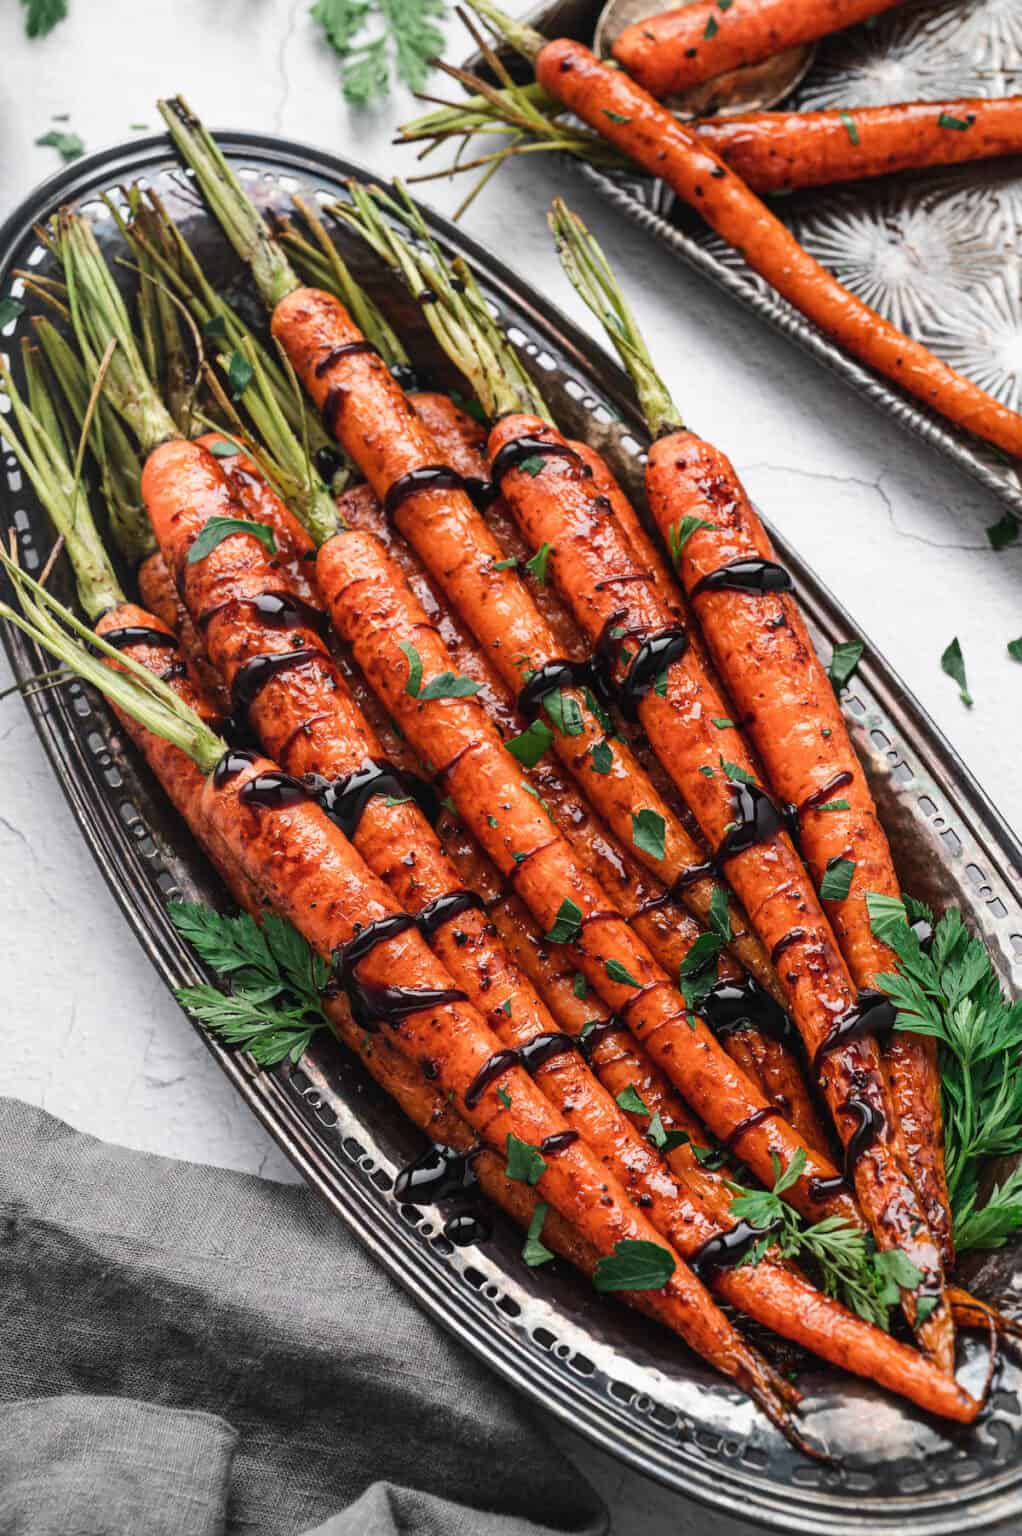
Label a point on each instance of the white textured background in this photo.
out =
(86, 1030)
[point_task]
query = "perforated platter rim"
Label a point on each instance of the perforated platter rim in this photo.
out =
(630, 1390)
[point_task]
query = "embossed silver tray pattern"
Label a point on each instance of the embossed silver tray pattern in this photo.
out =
(938, 252)
(631, 1389)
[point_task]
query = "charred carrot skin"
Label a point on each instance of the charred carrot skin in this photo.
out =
(678, 49)
(657, 919)
(763, 867)
(377, 425)
(762, 647)
(782, 151)
(626, 115)
(377, 614)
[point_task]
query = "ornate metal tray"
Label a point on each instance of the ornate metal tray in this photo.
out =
(936, 252)
(632, 1390)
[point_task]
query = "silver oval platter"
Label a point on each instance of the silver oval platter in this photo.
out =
(632, 1390)
(937, 252)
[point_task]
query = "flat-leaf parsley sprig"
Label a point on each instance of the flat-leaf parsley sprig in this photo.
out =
(953, 995)
(275, 1003)
(371, 36)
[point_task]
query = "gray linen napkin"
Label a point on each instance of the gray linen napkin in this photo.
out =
(190, 1352)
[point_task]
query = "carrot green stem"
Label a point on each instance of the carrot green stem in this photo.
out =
(41, 453)
(451, 302)
(523, 39)
(238, 217)
(590, 274)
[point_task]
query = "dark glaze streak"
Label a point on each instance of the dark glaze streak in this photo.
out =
(429, 477)
(550, 676)
(654, 655)
(273, 791)
(255, 673)
(482, 493)
(693, 875)
(332, 407)
(345, 799)
(327, 461)
(335, 354)
(756, 819)
(734, 1005)
(588, 1042)
(873, 1016)
(535, 1053)
(786, 941)
(499, 1063)
(176, 669)
(370, 1001)
(768, 1112)
(745, 575)
(617, 581)
(871, 1123)
(551, 1145)
(828, 1189)
(234, 760)
(512, 454)
(467, 1227)
(822, 795)
(438, 1174)
(277, 610)
(727, 1250)
(138, 634)
(442, 908)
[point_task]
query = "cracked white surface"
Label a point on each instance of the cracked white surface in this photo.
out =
(86, 1030)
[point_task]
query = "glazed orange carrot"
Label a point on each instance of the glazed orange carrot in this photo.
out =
(159, 594)
(759, 640)
(757, 1047)
(674, 50)
(629, 118)
(378, 616)
(689, 727)
(781, 151)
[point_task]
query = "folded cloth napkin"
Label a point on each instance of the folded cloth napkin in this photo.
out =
(189, 1352)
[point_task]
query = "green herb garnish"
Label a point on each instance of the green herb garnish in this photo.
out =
(634, 1266)
(953, 663)
(213, 533)
(648, 833)
(567, 924)
(843, 662)
(837, 879)
(525, 1163)
(534, 1252)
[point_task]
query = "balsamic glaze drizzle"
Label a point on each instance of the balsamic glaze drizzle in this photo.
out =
(588, 1042)
(756, 819)
(872, 1016)
(822, 795)
(345, 799)
(550, 676)
(512, 454)
(273, 791)
(336, 353)
(726, 1250)
(232, 762)
(871, 1123)
(442, 908)
(551, 1145)
(499, 1063)
(138, 634)
(655, 653)
(438, 1174)
(534, 1054)
(482, 493)
(255, 673)
(745, 575)
(370, 1001)
(428, 477)
(731, 1005)
(467, 1227)
(335, 397)
(692, 875)
(768, 1112)
(828, 1189)
(277, 610)
(786, 941)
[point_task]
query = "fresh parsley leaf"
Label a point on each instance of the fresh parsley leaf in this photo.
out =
(601, 755)
(678, 534)
(525, 1163)
(723, 724)
(736, 774)
(720, 914)
(215, 328)
(567, 924)
(630, 1100)
(648, 833)
(960, 124)
(843, 662)
(580, 987)
(564, 713)
(529, 747)
(534, 1252)
(10, 309)
(896, 1273)
(850, 128)
(509, 564)
(504, 1097)
(666, 1141)
(213, 533)
(660, 686)
(68, 145)
(834, 805)
(953, 663)
(1015, 649)
(837, 879)
(635, 1265)
(615, 117)
(538, 563)
(533, 465)
(240, 374)
(701, 955)
(414, 682)
(222, 449)
(711, 29)
(619, 973)
(706, 771)
(410, 40)
(41, 16)
(447, 685)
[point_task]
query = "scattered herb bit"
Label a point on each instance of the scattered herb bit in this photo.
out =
(567, 924)
(534, 1252)
(525, 1163)
(518, 857)
(953, 663)
(837, 879)
(447, 802)
(68, 145)
(601, 755)
(648, 833)
(491, 821)
(711, 29)
(660, 686)
(10, 309)
(470, 406)
(138, 127)
(1015, 649)
(505, 1006)
(533, 465)
(397, 800)
(504, 1097)
(447, 685)
(722, 723)
(635, 1265)
(834, 805)
(41, 16)
(1003, 532)
(213, 533)
(720, 915)
(414, 682)
(529, 747)
(580, 987)
(843, 662)
(959, 124)
(953, 995)
(509, 564)
(825, 733)
(215, 328)
(736, 774)
(240, 374)
(706, 771)
(664, 1140)
(619, 973)
(564, 713)
(221, 449)
(850, 128)
(630, 1100)
(275, 1004)
(537, 565)
(409, 41)
(615, 117)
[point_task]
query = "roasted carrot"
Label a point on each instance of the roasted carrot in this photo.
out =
(782, 151)
(630, 119)
(758, 637)
(674, 50)
(378, 615)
